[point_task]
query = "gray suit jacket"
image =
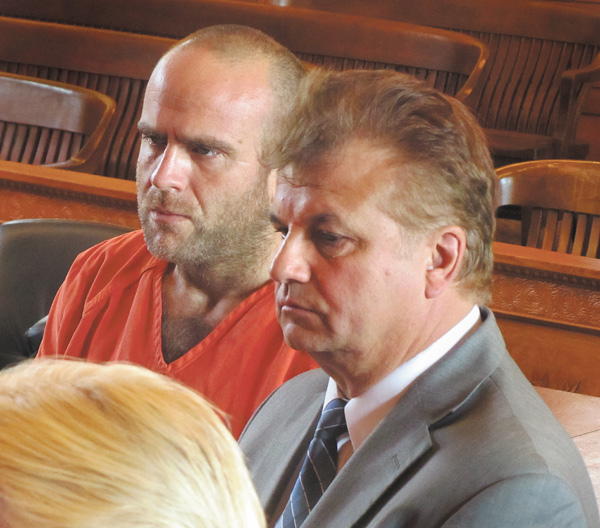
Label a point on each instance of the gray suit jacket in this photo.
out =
(470, 444)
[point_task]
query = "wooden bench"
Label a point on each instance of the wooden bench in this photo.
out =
(543, 60)
(119, 63)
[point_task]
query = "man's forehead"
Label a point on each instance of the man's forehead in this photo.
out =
(356, 170)
(202, 92)
(347, 192)
(197, 77)
(196, 60)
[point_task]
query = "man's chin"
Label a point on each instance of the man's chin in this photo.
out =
(161, 244)
(300, 338)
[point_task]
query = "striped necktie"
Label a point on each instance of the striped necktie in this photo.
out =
(319, 467)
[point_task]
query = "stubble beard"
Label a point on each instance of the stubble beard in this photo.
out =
(238, 241)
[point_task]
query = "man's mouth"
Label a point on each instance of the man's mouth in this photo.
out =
(161, 214)
(289, 306)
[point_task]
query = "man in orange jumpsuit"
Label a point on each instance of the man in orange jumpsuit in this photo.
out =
(189, 296)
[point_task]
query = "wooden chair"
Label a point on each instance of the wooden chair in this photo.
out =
(50, 123)
(118, 63)
(559, 202)
(543, 60)
(546, 287)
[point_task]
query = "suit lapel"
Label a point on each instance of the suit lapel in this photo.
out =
(279, 447)
(389, 453)
(392, 452)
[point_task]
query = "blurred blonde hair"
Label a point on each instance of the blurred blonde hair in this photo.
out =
(86, 445)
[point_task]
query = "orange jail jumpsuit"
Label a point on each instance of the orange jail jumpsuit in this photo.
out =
(109, 308)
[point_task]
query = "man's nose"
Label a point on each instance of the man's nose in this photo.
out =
(171, 170)
(291, 263)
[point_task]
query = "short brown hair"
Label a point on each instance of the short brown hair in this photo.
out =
(450, 177)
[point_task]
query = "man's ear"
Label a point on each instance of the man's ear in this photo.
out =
(448, 246)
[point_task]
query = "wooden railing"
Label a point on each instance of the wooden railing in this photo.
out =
(30, 191)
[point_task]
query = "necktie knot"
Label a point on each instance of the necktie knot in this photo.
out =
(332, 423)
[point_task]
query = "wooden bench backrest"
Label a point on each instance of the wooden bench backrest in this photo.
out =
(532, 44)
(336, 37)
(112, 63)
(560, 202)
(48, 123)
(118, 63)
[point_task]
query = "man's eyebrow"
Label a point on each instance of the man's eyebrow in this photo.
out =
(145, 128)
(316, 220)
(209, 142)
(323, 218)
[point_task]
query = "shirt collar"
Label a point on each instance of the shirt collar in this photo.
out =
(364, 412)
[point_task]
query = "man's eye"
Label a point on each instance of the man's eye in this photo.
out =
(332, 244)
(153, 140)
(203, 150)
(328, 238)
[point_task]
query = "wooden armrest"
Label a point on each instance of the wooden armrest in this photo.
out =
(570, 100)
(35, 191)
(518, 145)
(589, 73)
(68, 181)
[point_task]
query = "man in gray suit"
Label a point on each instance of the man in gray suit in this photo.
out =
(385, 201)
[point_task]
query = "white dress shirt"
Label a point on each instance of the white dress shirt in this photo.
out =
(364, 412)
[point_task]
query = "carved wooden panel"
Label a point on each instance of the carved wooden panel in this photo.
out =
(547, 296)
(548, 309)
